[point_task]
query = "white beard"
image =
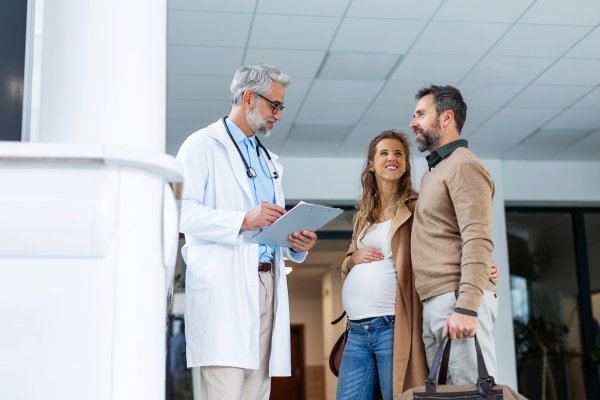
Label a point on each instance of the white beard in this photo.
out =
(257, 124)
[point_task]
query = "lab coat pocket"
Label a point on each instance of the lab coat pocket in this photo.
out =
(201, 268)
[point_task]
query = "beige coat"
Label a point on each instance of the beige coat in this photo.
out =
(410, 363)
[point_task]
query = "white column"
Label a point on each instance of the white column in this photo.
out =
(104, 73)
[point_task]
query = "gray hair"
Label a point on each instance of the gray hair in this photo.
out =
(256, 77)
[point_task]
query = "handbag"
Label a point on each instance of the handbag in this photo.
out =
(335, 357)
(485, 388)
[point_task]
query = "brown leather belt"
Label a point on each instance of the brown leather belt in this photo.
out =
(264, 267)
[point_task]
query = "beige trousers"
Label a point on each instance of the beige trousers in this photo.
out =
(462, 367)
(229, 383)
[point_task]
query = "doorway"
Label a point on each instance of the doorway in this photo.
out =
(292, 387)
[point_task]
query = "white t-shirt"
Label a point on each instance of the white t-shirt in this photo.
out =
(370, 288)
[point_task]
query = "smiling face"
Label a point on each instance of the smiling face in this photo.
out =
(260, 118)
(426, 125)
(389, 161)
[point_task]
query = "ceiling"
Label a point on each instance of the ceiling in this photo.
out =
(529, 70)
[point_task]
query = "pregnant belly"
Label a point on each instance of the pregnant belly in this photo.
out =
(370, 290)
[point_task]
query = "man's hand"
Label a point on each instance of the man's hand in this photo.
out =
(262, 215)
(461, 325)
(494, 274)
(366, 255)
(302, 241)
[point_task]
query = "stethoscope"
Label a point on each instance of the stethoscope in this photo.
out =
(249, 170)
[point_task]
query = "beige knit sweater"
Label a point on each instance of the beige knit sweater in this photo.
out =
(452, 233)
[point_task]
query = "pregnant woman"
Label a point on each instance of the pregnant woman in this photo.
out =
(385, 348)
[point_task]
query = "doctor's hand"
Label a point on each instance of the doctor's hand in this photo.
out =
(302, 241)
(366, 255)
(262, 215)
(494, 274)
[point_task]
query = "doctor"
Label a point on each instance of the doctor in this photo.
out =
(237, 310)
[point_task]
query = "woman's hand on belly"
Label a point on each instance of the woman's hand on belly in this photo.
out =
(366, 255)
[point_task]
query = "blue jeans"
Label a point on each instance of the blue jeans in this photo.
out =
(367, 360)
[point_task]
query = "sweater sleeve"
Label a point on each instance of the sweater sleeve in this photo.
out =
(472, 193)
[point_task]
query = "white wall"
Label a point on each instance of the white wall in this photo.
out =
(307, 310)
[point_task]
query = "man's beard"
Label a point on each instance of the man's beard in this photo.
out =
(430, 138)
(257, 124)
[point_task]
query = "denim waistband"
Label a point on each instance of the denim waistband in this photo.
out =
(373, 323)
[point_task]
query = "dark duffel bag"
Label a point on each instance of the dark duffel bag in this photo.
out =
(484, 389)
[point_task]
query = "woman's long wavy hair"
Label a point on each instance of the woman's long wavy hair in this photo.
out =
(369, 203)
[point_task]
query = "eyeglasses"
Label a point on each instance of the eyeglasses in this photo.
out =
(276, 106)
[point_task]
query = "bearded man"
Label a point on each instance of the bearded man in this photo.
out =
(237, 322)
(451, 244)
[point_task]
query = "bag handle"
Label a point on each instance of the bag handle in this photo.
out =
(485, 382)
(335, 321)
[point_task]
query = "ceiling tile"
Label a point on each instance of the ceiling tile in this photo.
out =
(199, 87)
(197, 110)
(295, 148)
(481, 95)
(295, 63)
(500, 136)
(393, 9)
(297, 89)
(475, 117)
(495, 69)
(395, 117)
(592, 100)
(277, 136)
(538, 152)
(538, 40)
(579, 118)
(376, 35)
(466, 37)
(572, 12)
(242, 6)
(588, 47)
(318, 133)
(332, 8)
(556, 137)
(196, 28)
(293, 32)
(291, 110)
(358, 140)
(482, 11)
(358, 65)
(343, 91)
(400, 93)
(585, 149)
(549, 96)
(573, 71)
(178, 131)
(488, 150)
(434, 67)
(193, 60)
(522, 117)
(322, 113)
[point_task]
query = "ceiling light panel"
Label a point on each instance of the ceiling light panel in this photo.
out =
(580, 118)
(572, 71)
(572, 12)
(393, 9)
(508, 69)
(538, 40)
(193, 60)
(358, 65)
(482, 11)
(343, 91)
(318, 133)
(549, 96)
(331, 8)
(198, 87)
(321, 113)
(242, 6)
(195, 28)
(292, 32)
(295, 63)
(376, 35)
(434, 68)
(467, 38)
(556, 137)
(589, 47)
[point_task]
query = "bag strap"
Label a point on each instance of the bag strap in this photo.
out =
(485, 382)
(335, 321)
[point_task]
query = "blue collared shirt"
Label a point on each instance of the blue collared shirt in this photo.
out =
(262, 186)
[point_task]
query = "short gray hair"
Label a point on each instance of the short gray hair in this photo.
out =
(256, 77)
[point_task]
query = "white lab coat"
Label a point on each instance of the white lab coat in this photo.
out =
(222, 310)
